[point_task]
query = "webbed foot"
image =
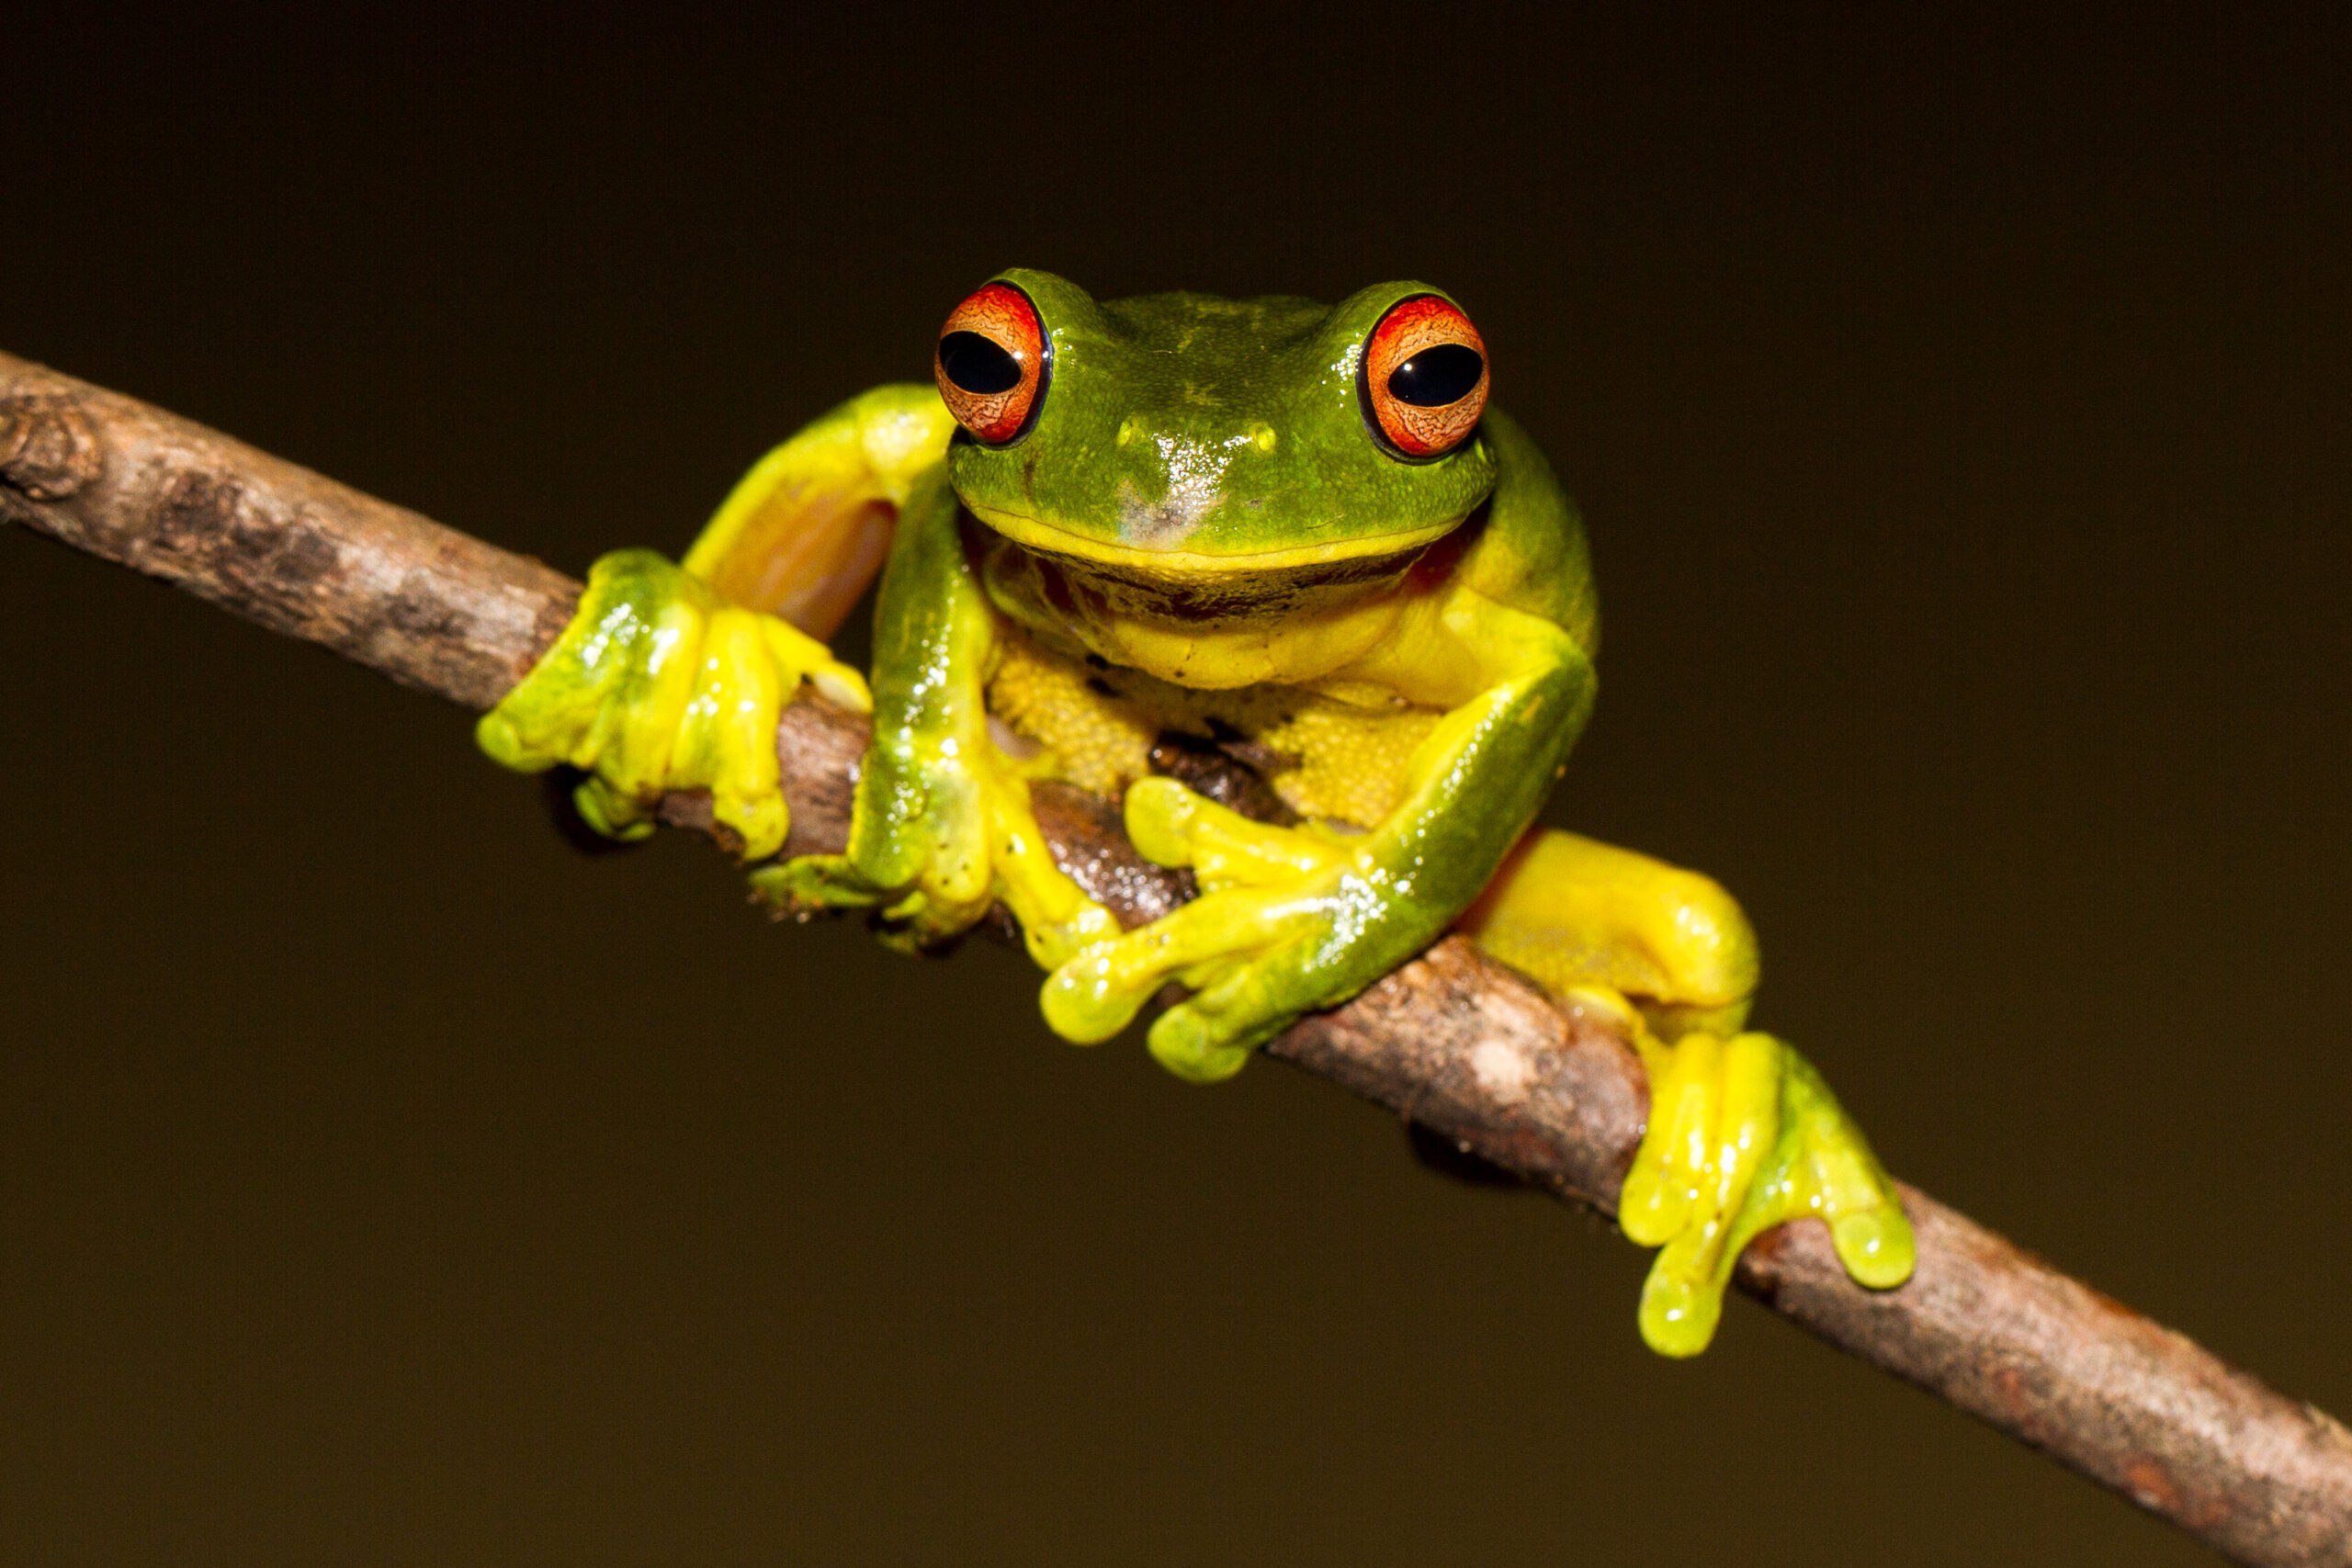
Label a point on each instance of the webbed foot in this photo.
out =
(659, 685)
(1272, 935)
(1743, 1135)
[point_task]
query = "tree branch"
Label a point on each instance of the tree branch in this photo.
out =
(1453, 1040)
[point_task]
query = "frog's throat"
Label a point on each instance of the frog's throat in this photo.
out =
(1370, 556)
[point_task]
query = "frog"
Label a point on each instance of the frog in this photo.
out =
(1295, 537)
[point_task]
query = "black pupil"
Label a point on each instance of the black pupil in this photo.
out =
(1433, 378)
(981, 365)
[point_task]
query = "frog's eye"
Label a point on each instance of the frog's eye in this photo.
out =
(1424, 377)
(991, 363)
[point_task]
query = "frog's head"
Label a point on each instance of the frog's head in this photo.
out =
(1197, 444)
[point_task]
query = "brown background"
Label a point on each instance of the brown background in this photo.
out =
(1960, 411)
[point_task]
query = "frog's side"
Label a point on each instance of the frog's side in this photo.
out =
(1295, 534)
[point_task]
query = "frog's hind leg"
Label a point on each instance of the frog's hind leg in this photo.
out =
(1579, 915)
(804, 534)
(1743, 1134)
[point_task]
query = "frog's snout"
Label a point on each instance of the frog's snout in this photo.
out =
(1188, 468)
(1165, 524)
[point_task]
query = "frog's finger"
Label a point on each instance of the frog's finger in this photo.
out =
(1748, 1121)
(1875, 1244)
(913, 919)
(1092, 995)
(1663, 1189)
(1681, 1302)
(1207, 1037)
(1172, 825)
(726, 736)
(1204, 1046)
(1160, 814)
(1838, 1178)
(813, 884)
(1058, 920)
(1682, 1299)
(609, 812)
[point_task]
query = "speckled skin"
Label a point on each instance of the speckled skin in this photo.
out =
(1198, 529)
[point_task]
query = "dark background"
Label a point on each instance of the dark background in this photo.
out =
(1958, 409)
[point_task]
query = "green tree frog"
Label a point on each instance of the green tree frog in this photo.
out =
(1300, 534)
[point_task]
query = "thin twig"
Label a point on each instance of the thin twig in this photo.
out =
(1454, 1041)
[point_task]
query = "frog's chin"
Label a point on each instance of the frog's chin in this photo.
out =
(1336, 560)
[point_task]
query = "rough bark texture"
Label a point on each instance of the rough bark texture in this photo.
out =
(427, 605)
(1454, 1042)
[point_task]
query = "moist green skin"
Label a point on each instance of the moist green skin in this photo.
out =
(1208, 433)
(1197, 383)
(1199, 497)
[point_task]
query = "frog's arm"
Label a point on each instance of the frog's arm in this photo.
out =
(1292, 919)
(940, 827)
(671, 679)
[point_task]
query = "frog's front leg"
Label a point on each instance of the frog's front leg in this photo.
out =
(670, 678)
(1292, 919)
(940, 827)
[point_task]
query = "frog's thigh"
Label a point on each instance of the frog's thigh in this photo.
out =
(1572, 912)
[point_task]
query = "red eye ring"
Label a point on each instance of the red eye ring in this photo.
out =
(1425, 376)
(991, 363)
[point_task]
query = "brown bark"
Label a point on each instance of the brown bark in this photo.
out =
(1453, 1040)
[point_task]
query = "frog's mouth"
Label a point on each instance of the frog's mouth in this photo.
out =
(1194, 587)
(1340, 561)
